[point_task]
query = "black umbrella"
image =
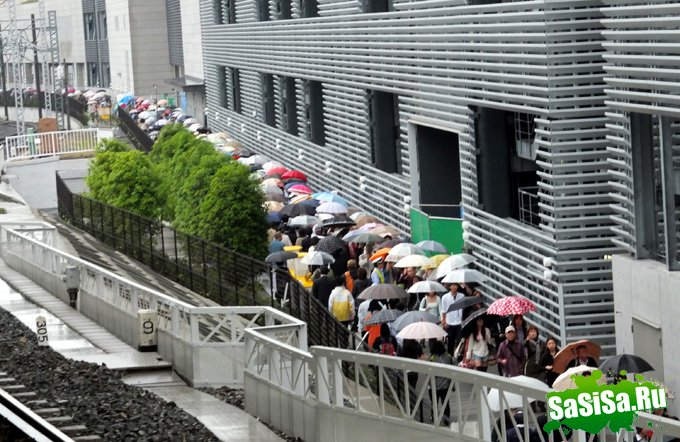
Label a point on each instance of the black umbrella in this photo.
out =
(630, 363)
(338, 221)
(465, 302)
(468, 325)
(330, 244)
(278, 257)
(296, 210)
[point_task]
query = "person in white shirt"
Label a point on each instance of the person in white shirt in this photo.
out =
(451, 322)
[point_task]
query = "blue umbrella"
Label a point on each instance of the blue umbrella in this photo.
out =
(311, 203)
(274, 217)
(330, 197)
(126, 99)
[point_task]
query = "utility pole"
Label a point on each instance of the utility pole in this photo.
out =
(36, 66)
(65, 98)
(4, 77)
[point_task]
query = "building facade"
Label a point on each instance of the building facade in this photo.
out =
(491, 112)
(643, 98)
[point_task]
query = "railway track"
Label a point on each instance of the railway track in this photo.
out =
(25, 416)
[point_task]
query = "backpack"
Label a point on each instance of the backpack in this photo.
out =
(387, 348)
(349, 281)
(342, 309)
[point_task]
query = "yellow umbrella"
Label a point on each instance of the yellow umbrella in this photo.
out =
(438, 259)
(292, 248)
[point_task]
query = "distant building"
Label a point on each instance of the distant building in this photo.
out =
(416, 109)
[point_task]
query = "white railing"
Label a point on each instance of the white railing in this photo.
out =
(349, 393)
(46, 144)
(38, 230)
(115, 302)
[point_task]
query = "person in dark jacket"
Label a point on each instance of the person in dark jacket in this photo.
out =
(361, 283)
(533, 367)
(306, 242)
(547, 360)
(323, 286)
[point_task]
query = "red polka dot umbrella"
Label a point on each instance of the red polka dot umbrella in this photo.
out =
(511, 305)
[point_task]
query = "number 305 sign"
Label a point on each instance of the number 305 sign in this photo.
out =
(41, 330)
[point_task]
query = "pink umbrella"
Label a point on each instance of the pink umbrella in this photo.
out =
(511, 305)
(301, 189)
(295, 174)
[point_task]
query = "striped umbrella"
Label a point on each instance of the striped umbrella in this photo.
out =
(511, 305)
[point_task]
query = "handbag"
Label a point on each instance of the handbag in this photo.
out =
(460, 351)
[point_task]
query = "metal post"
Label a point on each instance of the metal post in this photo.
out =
(36, 65)
(64, 96)
(4, 77)
(667, 185)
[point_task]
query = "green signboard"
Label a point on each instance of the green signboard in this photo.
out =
(448, 231)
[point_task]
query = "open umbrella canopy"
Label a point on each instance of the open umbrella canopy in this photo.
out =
(468, 326)
(629, 363)
(337, 221)
(365, 219)
(277, 257)
(274, 196)
(464, 302)
(422, 330)
(277, 171)
(296, 174)
(507, 401)
(361, 237)
(383, 291)
(273, 206)
(569, 352)
(464, 275)
(565, 381)
(385, 231)
(432, 246)
(333, 209)
(511, 305)
(297, 210)
(269, 165)
(256, 159)
(330, 244)
(427, 287)
(386, 315)
(271, 188)
(412, 317)
(274, 218)
(303, 221)
(317, 258)
(453, 262)
(272, 182)
(403, 250)
(301, 189)
(330, 197)
(416, 261)
(380, 253)
(300, 198)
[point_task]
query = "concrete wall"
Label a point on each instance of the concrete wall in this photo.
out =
(150, 55)
(191, 38)
(120, 46)
(646, 291)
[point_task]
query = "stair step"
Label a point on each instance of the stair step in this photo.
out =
(56, 420)
(48, 411)
(88, 438)
(14, 387)
(4, 380)
(72, 429)
(24, 394)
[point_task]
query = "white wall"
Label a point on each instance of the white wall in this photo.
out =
(644, 289)
(150, 54)
(120, 46)
(191, 38)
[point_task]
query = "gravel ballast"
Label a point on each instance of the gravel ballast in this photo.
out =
(96, 397)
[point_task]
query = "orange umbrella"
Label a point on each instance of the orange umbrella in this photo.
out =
(381, 253)
(568, 353)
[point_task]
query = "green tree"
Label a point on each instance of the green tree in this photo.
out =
(232, 215)
(192, 190)
(126, 180)
(112, 145)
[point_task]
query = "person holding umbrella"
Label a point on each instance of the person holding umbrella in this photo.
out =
(582, 358)
(451, 320)
(477, 346)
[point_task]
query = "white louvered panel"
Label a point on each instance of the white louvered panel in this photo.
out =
(328, 8)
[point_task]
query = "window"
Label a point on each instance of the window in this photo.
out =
(379, 6)
(235, 89)
(383, 123)
(223, 86)
(268, 109)
(228, 80)
(262, 10)
(656, 174)
(313, 110)
(282, 9)
(288, 99)
(309, 8)
(507, 183)
(102, 26)
(92, 74)
(90, 27)
(225, 11)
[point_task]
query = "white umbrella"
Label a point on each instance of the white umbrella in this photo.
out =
(427, 287)
(566, 382)
(271, 188)
(512, 400)
(270, 165)
(422, 330)
(432, 246)
(464, 275)
(317, 259)
(412, 261)
(303, 221)
(332, 208)
(452, 263)
(356, 215)
(402, 251)
(256, 160)
(194, 127)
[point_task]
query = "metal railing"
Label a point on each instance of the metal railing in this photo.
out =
(135, 134)
(50, 144)
(333, 391)
(218, 328)
(220, 274)
(76, 109)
